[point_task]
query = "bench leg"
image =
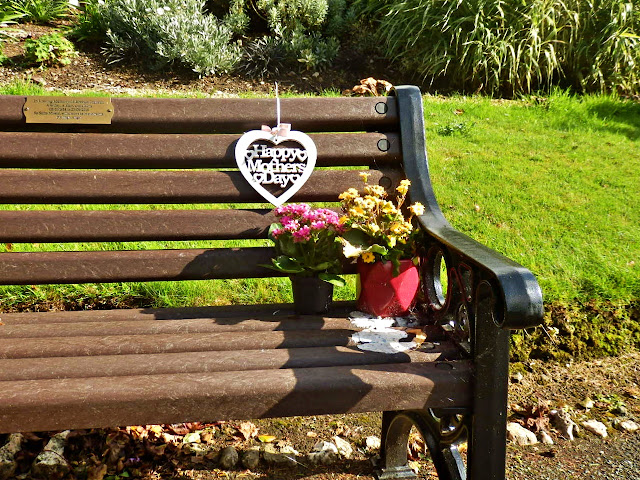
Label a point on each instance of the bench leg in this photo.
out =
(440, 430)
(488, 432)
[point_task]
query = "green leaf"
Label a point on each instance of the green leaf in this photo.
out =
(287, 265)
(333, 279)
(272, 227)
(375, 248)
(321, 266)
(356, 237)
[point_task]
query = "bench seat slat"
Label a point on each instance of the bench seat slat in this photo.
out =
(209, 361)
(227, 315)
(194, 115)
(88, 150)
(150, 327)
(174, 398)
(204, 186)
(163, 342)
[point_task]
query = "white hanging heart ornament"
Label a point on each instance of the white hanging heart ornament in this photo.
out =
(277, 162)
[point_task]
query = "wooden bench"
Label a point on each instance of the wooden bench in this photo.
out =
(86, 369)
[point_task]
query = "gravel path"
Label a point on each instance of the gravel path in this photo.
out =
(614, 458)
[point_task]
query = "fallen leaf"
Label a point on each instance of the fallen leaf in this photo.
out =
(207, 436)
(362, 90)
(415, 446)
(178, 428)
(9, 246)
(341, 429)
(97, 473)
(171, 439)
(248, 430)
(632, 392)
(157, 430)
(266, 438)
(157, 450)
(458, 111)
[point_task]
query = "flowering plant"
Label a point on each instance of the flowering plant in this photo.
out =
(307, 242)
(375, 227)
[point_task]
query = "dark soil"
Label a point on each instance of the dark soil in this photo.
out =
(90, 71)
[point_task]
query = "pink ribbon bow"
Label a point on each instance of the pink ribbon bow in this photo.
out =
(282, 130)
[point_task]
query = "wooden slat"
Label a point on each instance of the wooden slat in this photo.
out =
(105, 186)
(195, 362)
(168, 342)
(27, 268)
(179, 115)
(133, 225)
(41, 405)
(152, 327)
(228, 314)
(122, 266)
(90, 150)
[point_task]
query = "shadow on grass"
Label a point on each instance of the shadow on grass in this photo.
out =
(622, 117)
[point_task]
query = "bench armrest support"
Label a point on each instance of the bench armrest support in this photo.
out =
(475, 271)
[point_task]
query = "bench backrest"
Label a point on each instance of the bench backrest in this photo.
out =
(170, 153)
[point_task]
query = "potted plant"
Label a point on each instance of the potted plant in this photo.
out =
(308, 249)
(379, 235)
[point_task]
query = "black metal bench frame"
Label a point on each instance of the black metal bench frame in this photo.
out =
(458, 391)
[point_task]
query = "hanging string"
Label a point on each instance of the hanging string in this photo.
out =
(281, 129)
(277, 106)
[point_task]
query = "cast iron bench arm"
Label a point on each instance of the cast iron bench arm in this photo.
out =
(517, 289)
(514, 286)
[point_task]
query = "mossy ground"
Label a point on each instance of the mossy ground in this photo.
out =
(580, 331)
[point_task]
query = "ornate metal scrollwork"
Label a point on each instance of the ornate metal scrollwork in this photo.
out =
(441, 431)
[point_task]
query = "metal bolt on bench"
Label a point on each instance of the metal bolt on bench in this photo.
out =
(89, 369)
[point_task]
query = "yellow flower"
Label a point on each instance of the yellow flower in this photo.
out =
(349, 194)
(403, 188)
(389, 208)
(343, 220)
(396, 227)
(391, 240)
(364, 176)
(369, 202)
(417, 208)
(374, 228)
(375, 190)
(355, 211)
(368, 257)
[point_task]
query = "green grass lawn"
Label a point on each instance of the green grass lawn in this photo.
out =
(551, 182)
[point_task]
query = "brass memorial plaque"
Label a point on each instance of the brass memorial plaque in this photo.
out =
(84, 110)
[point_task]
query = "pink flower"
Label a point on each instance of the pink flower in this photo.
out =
(318, 225)
(292, 226)
(277, 232)
(304, 234)
(286, 220)
(300, 209)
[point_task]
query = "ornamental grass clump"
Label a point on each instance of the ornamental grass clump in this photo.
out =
(376, 227)
(307, 242)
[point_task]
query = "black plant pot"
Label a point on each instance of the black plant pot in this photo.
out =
(311, 295)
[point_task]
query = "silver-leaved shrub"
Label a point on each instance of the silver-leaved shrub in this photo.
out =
(165, 32)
